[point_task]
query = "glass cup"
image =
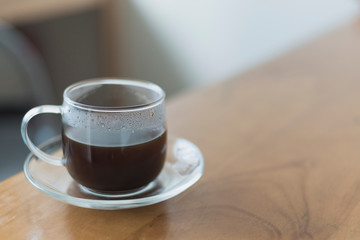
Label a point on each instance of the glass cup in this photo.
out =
(113, 134)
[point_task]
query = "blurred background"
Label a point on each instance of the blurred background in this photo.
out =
(180, 45)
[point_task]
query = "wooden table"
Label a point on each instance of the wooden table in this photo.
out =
(282, 151)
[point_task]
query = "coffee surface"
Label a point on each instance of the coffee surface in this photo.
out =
(114, 168)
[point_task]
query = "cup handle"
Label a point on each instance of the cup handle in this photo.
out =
(58, 161)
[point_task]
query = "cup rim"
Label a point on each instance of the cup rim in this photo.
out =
(139, 83)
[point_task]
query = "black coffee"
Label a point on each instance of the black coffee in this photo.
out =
(114, 168)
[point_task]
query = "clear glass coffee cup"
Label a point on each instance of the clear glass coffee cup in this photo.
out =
(114, 134)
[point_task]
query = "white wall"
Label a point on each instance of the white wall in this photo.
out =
(180, 44)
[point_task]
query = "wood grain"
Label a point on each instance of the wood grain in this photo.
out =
(282, 151)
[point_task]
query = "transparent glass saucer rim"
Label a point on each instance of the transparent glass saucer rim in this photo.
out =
(175, 145)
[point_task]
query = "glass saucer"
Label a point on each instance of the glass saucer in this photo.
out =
(183, 167)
